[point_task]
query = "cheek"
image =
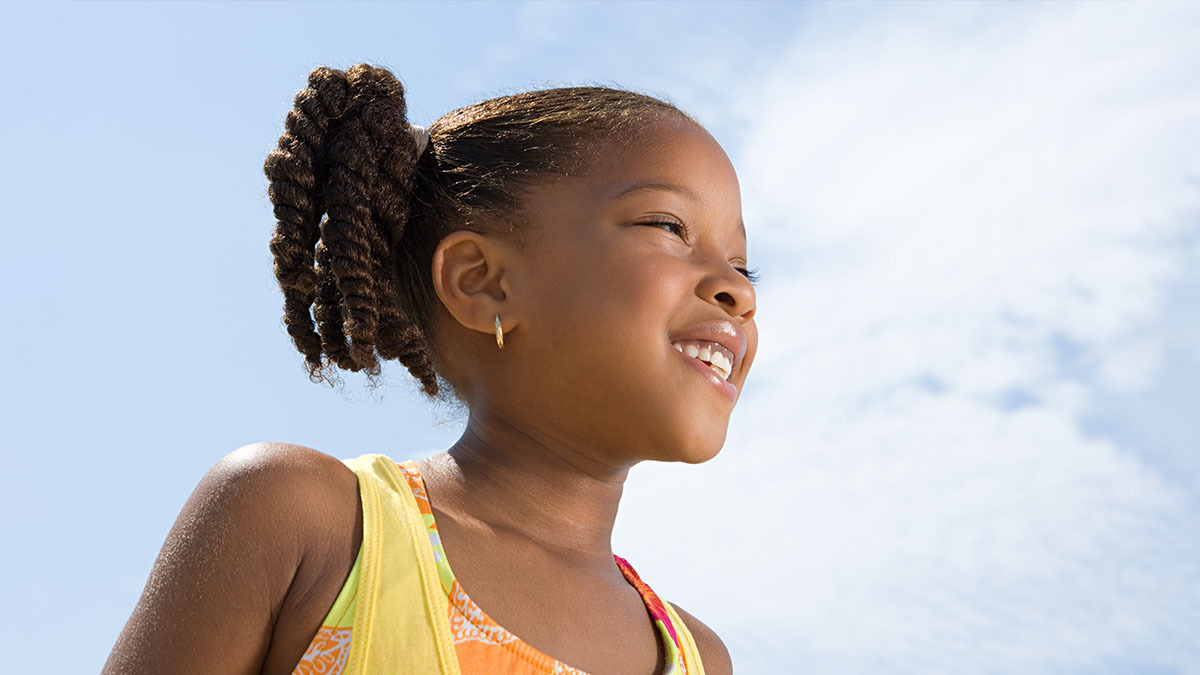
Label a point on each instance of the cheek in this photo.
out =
(615, 295)
(604, 362)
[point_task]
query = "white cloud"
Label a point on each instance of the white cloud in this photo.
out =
(968, 218)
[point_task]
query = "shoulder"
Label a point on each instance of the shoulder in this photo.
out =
(248, 548)
(712, 649)
(290, 499)
(282, 463)
(287, 458)
(304, 486)
(288, 503)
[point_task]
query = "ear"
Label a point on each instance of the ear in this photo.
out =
(470, 277)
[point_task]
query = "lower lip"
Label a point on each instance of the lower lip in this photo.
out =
(710, 375)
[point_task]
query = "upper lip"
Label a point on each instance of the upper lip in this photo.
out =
(724, 333)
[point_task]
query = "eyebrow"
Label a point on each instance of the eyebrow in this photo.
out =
(659, 185)
(671, 187)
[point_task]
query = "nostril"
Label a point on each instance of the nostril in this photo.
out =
(725, 297)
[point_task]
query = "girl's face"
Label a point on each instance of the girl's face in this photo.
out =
(643, 252)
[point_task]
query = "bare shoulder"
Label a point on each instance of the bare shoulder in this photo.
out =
(291, 459)
(302, 487)
(259, 525)
(285, 462)
(712, 649)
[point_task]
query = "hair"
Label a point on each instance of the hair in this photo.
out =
(359, 214)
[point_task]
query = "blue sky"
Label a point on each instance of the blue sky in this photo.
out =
(970, 440)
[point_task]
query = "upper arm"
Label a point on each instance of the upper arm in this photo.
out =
(215, 590)
(712, 649)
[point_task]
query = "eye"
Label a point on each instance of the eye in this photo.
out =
(672, 225)
(681, 230)
(752, 275)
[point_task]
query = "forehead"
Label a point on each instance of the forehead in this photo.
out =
(669, 166)
(677, 160)
(671, 188)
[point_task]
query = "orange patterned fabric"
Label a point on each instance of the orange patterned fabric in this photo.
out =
(327, 653)
(481, 644)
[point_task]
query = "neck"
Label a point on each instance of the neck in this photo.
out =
(520, 483)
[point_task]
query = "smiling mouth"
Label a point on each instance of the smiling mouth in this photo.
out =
(715, 356)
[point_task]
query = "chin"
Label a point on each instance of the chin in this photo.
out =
(694, 437)
(700, 450)
(699, 458)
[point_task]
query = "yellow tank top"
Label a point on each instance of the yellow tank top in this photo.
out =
(402, 559)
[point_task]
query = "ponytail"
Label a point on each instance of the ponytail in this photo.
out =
(346, 152)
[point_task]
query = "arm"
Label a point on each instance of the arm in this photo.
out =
(216, 589)
(712, 650)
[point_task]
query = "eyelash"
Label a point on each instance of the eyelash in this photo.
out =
(751, 275)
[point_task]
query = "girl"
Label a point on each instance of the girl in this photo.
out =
(570, 265)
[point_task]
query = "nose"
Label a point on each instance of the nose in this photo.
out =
(729, 289)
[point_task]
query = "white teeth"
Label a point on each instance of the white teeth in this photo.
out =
(718, 359)
(713, 354)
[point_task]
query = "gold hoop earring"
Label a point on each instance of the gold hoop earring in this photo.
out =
(499, 333)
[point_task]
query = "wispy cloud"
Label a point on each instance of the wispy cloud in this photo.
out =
(968, 218)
